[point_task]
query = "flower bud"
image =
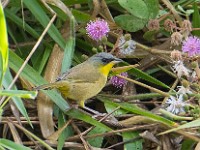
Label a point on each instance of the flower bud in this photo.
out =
(176, 55)
(153, 24)
(94, 49)
(176, 38)
(194, 64)
(169, 25)
(185, 83)
(85, 57)
(127, 37)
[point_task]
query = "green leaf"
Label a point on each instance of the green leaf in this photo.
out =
(192, 124)
(19, 22)
(19, 93)
(110, 107)
(130, 23)
(67, 132)
(96, 141)
(153, 8)
(150, 35)
(142, 75)
(188, 144)
(41, 16)
(136, 7)
(196, 20)
(32, 76)
(1, 112)
(44, 59)
(80, 16)
(136, 145)
(12, 145)
(3, 44)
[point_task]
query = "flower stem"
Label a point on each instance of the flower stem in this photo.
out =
(173, 116)
(146, 86)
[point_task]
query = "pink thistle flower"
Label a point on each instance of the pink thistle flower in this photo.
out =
(191, 46)
(97, 29)
(119, 82)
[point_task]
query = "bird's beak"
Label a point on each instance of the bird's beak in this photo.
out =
(117, 60)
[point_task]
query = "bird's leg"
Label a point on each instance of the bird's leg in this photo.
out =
(82, 105)
(92, 111)
(96, 113)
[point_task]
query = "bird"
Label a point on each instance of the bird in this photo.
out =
(85, 80)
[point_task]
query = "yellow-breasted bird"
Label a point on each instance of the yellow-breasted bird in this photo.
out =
(84, 80)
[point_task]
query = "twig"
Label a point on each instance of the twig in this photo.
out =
(173, 10)
(86, 145)
(124, 142)
(113, 132)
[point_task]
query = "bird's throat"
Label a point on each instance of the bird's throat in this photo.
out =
(106, 69)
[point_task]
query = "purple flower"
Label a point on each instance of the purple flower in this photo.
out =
(97, 29)
(119, 82)
(191, 45)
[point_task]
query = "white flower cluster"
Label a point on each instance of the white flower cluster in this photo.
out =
(176, 104)
(180, 69)
(126, 47)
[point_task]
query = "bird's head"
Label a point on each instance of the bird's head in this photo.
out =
(105, 61)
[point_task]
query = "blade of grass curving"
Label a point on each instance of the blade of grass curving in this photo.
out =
(44, 59)
(70, 42)
(192, 124)
(32, 76)
(41, 16)
(19, 22)
(12, 145)
(69, 48)
(135, 109)
(3, 44)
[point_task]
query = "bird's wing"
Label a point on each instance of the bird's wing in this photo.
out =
(83, 72)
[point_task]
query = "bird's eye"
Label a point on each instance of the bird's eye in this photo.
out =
(107, 60)
(104, 60)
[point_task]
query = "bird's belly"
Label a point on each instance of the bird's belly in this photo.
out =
(84, 91)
